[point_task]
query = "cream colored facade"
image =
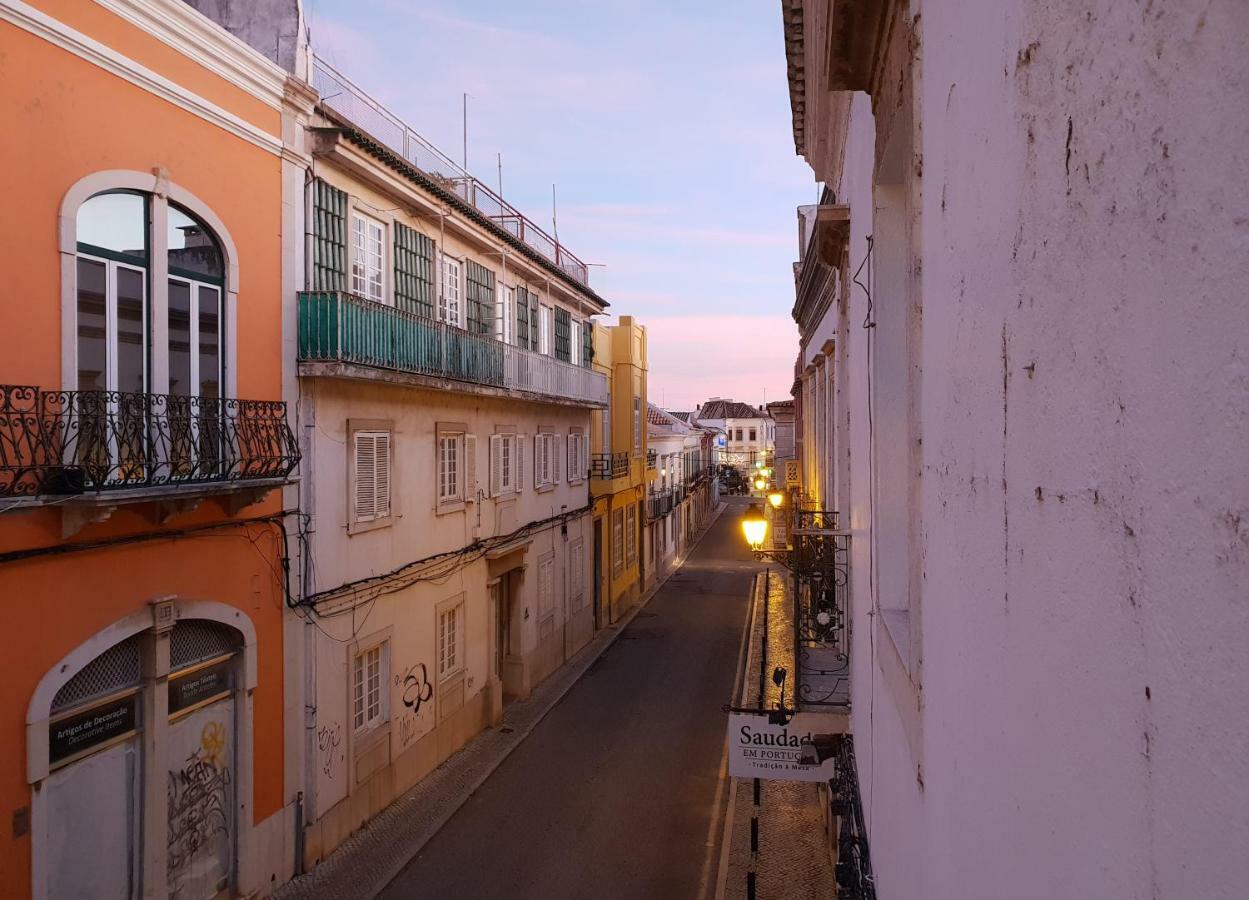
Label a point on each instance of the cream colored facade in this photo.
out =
(446, 487)
(618, 485)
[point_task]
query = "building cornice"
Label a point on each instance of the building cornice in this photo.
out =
(57, 33)
(199, 38)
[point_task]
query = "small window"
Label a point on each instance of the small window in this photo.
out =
(575, 343)
(544, 464)
(753, 434)
(505, 315)
(450, 467)
(617, 542)
(450, 636)
(371, 464)
(631, 535)
(504, 466)
(368, 677)
(637, 423)
(545, 314)
(576, 574)
(449, 301)
(368, 257)
(576, 456)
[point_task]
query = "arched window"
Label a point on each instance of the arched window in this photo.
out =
(196, 281)
(113, 321)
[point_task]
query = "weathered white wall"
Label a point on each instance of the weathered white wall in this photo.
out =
(1075, 723)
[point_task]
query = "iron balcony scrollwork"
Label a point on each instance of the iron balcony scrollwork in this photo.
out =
(609, 465)
(854, 862)
(59, 443)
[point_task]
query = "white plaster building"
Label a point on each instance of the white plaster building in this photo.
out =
(1023, 352)
(749, 431)
(445, 406)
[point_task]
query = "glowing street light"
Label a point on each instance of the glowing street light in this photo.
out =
(760, 483)
(777, 499)
(754, 526)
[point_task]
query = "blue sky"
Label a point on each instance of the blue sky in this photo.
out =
(665, 127)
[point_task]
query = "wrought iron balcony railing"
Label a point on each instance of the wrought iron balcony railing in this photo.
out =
(340, 327)
(651, 457)
(659, 504)
(609, 465)
(819, 557)
(60, 443)
(340, 95)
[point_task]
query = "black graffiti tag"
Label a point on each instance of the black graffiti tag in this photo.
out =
(199, 807)
(329, 737)
(416, 688)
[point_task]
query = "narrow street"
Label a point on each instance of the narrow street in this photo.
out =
(615, 793)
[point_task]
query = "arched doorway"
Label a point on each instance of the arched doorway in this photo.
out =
(137, 764)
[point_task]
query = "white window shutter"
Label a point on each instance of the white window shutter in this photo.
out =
(365, 467)
(572, 461)
(537, 459)
(496, 465)
(518, 464)
(381, 476)
(557, 448)
(470, 468)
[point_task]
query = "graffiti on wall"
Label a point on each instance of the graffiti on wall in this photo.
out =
(329, 740)
(199, 802)
(417, 690)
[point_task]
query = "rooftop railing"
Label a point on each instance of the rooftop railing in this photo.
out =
(346, 99)
(340, 327)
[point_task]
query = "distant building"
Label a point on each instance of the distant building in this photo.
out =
(749, 430)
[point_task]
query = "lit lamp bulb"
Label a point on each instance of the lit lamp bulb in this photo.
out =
(760, 484)
(777, 499)
(754, 526)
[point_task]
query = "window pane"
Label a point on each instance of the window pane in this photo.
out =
(192, 246)
(180, 338)
(209, 342)
(116, 222)
(130, 329)
(92, 358)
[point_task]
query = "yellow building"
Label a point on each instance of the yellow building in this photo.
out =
(618, 469)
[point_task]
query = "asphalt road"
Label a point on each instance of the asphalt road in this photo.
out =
(615, 792)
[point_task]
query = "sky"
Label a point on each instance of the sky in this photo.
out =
(665, 128)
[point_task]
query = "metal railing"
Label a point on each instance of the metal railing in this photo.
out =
(651, 457)
(61, 443)
(819, 557)
(609, 465)
(659, 504)
(343, 97)
(341, 327)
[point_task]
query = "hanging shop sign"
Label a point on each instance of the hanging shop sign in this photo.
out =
(205, 683)
(77, 733)
(793, 477)
(796, 751)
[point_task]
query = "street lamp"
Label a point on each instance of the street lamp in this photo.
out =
(777, 499)
(760, 483)
(754, 526)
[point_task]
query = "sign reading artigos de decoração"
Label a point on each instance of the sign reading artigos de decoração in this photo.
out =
(759, 749)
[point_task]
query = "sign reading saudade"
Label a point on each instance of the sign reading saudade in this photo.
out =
(760, 749)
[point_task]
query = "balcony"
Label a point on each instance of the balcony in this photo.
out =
(659, 504)
(609, 465)
(337, 329)
(819, 558)
(87, 445)
(651, 457)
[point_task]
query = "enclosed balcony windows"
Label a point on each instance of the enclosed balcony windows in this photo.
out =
(368, 258)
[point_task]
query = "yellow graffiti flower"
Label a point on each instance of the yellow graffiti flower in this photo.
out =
(213, 742)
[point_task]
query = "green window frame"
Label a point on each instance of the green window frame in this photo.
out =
(329, 246)
(563, 335)
(479, 283)
(414, 271)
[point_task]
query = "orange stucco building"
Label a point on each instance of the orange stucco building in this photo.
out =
(145, 450)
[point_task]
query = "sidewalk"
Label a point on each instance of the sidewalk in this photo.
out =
(793, 861)
(368, 860)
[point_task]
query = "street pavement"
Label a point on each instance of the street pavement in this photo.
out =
(617, 792)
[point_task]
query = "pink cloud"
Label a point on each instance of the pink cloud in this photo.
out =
(748, 358)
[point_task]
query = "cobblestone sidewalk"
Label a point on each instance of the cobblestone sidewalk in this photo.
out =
(368, 860)
(793, 862)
